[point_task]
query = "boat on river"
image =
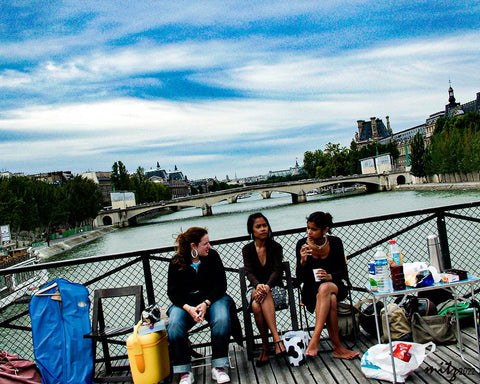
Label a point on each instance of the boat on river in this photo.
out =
(15, 286)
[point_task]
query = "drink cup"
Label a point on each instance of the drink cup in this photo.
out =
(315, 274)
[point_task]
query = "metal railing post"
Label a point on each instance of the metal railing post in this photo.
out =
(442, 236)
(147, 271)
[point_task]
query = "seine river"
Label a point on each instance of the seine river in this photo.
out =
(229, 220)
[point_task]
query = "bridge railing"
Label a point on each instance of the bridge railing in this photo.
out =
(456, 225)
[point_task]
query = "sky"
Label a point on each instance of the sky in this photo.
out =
(218, 88)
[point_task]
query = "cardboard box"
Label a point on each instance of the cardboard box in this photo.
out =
(448, 278)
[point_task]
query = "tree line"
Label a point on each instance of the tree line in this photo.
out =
(32, 205)
(335, 160)
(454, 147)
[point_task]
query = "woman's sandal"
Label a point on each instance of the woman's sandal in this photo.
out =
(281, 347)
(260, 361)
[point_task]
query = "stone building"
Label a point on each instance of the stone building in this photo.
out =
(102, 179)
(176, 180)
(375, 131)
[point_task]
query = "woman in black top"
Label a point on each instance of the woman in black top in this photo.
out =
(321, 267)
(263, 266)
(197, 287)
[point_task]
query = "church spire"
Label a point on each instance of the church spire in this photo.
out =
(451, 96)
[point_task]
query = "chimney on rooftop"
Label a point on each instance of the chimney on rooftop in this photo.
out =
(373, 120)
(360, 127)
(388, 125)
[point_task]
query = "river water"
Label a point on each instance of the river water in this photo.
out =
(229, 220)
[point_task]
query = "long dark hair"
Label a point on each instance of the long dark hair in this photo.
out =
(251, 219)
(321, 219)
(183, 241)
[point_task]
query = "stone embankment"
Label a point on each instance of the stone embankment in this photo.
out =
(61, 245)
(438, 186)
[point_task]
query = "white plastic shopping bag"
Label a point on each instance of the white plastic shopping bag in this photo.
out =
(296, 343)
(376, 363)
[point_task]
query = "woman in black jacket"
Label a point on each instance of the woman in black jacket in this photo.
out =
(197, 287)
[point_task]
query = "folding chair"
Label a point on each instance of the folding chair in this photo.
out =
(110, 325)
(247, 311)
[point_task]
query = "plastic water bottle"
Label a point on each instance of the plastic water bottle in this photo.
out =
(395, 254)
(382, 271)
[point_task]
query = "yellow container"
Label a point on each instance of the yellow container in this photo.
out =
(148, 356)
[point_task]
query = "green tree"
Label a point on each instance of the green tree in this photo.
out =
(454, 145)
(353, 162)
(314, 162)
(120, 177)
(84, 200)
(417, 156)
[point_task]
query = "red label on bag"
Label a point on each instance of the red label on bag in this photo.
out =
(401, 352)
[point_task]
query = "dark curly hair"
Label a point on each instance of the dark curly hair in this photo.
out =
(183, 241)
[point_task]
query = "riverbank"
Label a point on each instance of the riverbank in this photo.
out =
(438, 186)
(61, 245)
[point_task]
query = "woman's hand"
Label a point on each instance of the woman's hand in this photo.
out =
(304, 253)
(261, 292)
(322, 275)
(201, 309)
(196, 312)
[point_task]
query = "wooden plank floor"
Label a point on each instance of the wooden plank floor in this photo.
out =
(443, 366)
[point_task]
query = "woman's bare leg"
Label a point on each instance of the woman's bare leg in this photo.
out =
(262, 327)
(322, 309)
(339, 351)
(268, 310)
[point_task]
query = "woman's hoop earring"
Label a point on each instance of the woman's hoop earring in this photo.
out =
(194, 253)
(251, 236)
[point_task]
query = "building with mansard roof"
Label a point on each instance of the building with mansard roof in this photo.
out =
(372, 131)
(375, 131)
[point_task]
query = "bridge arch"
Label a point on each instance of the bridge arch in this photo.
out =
(107, 220)
(401, 180)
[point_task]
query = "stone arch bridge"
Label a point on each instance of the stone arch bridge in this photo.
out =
(297, 189)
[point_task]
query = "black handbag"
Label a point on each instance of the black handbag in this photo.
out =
(441, 329)
(366, 317)
(420, 305)
(279, 295)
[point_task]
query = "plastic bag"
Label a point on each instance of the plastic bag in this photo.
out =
(376, 363)
(423, 278)
(296, 343)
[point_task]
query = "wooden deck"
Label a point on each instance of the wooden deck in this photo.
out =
(443, 366)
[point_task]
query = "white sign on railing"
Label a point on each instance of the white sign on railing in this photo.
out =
(5, 230)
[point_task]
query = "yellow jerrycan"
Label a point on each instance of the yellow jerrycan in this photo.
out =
(148, 356)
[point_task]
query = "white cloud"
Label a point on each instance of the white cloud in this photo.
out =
(13, 79)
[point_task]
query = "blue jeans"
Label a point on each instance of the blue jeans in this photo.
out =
(180, 322)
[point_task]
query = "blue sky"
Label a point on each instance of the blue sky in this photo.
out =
(220, 87)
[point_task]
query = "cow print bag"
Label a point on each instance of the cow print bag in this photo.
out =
(296, 343)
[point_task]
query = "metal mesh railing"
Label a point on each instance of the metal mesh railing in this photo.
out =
(459, 230)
